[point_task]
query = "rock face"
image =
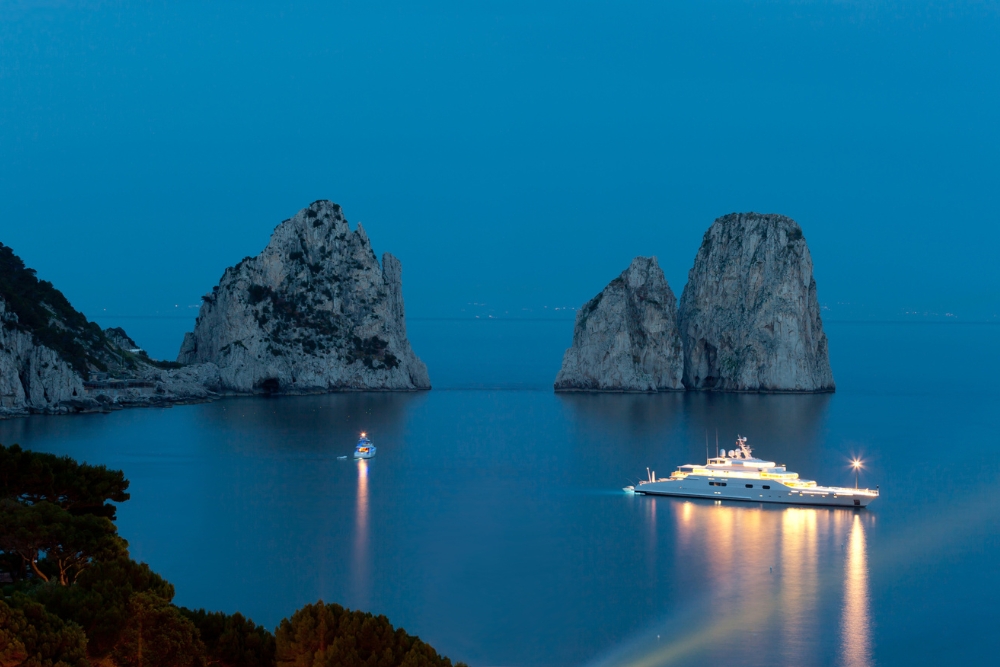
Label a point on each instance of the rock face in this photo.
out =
(626, 337)
(313, 312)
(34, 377)
(749, 316)
(48, 350)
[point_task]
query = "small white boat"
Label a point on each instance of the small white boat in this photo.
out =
(742, 476)
(364, 449)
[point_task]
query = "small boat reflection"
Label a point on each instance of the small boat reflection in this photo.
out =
(361, 558)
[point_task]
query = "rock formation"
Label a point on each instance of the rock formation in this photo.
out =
(749, 316)
(626, 337)
(313, 312)
(32, 375)
(49, 350)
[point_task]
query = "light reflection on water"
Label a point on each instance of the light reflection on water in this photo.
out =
(798, 574)
(361, 560)
(856, 624)
(763, 593)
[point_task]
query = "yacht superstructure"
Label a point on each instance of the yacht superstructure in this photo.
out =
(738, 475)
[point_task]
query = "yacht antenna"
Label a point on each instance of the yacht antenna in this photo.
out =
(706, 445)
(716, 439)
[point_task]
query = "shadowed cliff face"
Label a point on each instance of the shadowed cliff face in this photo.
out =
(749, 315)
(625, 338)
(313, 312)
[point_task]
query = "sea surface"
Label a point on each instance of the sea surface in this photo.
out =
(492, 522)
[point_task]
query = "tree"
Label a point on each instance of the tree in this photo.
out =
(43, 638)
(79, 488)
(321, 635)
(99, 601)
(233, 641)
(69, 542)
(157, 635)
(13, 625)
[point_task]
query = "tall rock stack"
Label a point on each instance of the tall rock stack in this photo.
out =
(749, 315)
(313, 312)
(626, 337)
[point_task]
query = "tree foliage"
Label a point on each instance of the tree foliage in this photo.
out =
(33, 637)
(69, 543)
(99, 602)
(233, 641)
(80, 488)
(156, 634)
(79, 597)
(328, 635)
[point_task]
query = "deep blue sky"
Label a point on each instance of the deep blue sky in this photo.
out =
(512, 154)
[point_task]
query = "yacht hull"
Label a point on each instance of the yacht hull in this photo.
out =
(734, 489)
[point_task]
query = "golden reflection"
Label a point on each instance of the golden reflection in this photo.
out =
(651, 561)
(856, 624)
(768, 573)
(685, 527)
(797, 578)
(703, 631)
(361, 565)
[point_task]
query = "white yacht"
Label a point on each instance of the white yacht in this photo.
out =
(741, 476)
(364, 449)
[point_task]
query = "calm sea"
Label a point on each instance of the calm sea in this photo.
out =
(492, 522)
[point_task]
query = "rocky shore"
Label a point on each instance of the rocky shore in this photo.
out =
(37, 379)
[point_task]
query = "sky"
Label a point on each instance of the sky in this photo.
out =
(514, 155)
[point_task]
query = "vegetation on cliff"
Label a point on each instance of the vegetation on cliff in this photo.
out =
(43, 311)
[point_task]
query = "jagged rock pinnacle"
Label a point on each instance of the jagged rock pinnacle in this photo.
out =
(312, 312)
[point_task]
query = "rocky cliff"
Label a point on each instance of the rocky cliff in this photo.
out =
(49, 351)
(313, 312)
(33, 375)
(749, 315)
(626, 337)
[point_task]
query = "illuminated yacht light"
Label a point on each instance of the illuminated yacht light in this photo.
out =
(752, 479)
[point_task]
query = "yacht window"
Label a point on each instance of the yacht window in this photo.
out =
(749, 486)
(766, 486)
